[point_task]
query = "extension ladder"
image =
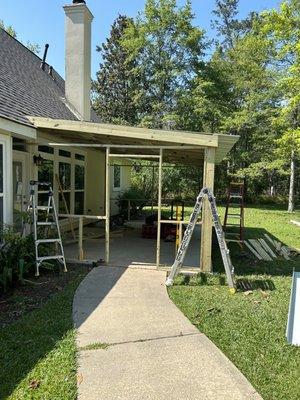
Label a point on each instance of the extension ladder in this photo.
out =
(229, 270)
(235, 201)
(50, 221)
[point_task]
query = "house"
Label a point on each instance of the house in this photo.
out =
(47, 129)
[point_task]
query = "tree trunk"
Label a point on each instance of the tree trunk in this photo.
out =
(292, 183)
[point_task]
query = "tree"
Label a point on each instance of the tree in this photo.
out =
(34, 47)
(228, 26)
(167, 49)
(115, 85)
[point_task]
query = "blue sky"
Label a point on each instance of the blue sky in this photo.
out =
(43, 21)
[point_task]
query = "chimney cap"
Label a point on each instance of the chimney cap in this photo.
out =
(79, 2)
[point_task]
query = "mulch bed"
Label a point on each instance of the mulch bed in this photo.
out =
(35, 292)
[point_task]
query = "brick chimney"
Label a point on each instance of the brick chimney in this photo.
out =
(78, 57)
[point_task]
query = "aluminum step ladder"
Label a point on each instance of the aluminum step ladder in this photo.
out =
(229, 269)
(50, 221)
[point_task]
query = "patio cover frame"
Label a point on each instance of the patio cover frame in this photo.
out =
(131, 142)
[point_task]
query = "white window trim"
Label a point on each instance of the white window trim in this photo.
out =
(6, 142)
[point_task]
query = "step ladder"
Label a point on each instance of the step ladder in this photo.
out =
(50, 221)
(234, 213)
(229, 269)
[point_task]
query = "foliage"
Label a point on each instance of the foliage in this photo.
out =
(167, 49)
(137, 199)
(34, 47)
(17, 257)
(115, 86)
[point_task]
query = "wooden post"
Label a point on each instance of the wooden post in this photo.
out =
(80, 239)
(159, 207)
(107, 204)
(128, 210)
(206, 228)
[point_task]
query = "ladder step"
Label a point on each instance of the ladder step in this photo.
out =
(43, 208)
(38, 241)
(45, 223)
(231, 225)
(234, 216)
(60, 257)
(235, 196)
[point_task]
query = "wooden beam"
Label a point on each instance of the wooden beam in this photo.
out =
(206, 230)
(199, 139)
(80, 240)
(159, 208)
(107, 205)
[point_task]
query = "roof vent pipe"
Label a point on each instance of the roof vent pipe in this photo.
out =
(43, 63)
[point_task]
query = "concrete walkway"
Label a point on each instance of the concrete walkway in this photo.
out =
(155, 353)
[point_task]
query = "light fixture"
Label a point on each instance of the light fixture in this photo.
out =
(38, 160)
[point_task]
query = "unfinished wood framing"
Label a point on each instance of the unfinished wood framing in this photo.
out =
(176, 147)
(159, 207)
(107, 205)
(206, 230)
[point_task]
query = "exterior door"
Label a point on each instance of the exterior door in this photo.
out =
(20, 186)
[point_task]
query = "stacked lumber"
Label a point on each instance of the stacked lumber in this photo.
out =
(268, 249)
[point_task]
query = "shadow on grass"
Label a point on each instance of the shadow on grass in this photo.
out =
(245, 263)
(27, 342)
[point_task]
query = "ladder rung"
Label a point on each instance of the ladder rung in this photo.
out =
(38, 241)
(231, 233)
(49, 258)
(234, 216)
(231, 225)
(235, 196)
(46, 223)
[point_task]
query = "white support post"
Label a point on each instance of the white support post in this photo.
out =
(206, 229)
(159, 207)
(107, 204)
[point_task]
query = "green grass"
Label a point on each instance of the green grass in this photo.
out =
(250, 327)
(38, 353)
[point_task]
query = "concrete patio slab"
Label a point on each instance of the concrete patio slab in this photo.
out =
(154, 351)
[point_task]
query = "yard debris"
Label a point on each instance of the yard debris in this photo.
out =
(295, 222)
(270, 249)
(264, 295)
(79, 378)
(248, 292)
(34, 384)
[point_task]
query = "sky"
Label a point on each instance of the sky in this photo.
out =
(42, 21)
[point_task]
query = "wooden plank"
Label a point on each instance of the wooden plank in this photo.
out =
(257, 255)
(65, 205)
(255, 243)
(200, 139)
(159, 208)
(107, 205)
(270, 240)
(267, 248)
(206, 230)
(80, 240)
(86, 216)
(295, 222)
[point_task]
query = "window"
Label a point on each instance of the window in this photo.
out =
(117, 177)
(46, 149)
(79, 189)
(65, 175)
(64, 153)
(79, 177)
(79, 157)
(45, 172)
(19, 144)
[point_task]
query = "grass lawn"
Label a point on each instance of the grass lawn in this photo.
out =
(38, 352)
(249, 327)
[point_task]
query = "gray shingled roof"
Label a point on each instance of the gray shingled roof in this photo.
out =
(26, 89)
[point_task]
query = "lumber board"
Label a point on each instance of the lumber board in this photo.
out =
(267, 248)
(255, 243)
(257, 255)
